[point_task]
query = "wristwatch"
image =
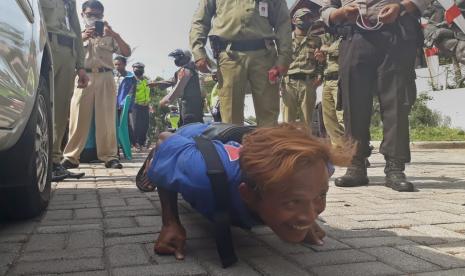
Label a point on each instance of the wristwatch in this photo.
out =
(402, 10)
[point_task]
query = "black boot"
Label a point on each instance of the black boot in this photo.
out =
(356, 175)
(395, 176)
(59, 173)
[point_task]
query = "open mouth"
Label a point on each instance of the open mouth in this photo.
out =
(300, 227)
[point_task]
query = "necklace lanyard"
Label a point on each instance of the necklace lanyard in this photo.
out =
(361, 23)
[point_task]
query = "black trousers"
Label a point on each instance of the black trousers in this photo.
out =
(140, 123)
(380, 63)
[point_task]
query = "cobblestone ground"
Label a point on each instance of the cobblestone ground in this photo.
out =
(102, 225)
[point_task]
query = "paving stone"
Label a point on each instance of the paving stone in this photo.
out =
(87, 273)
(130, 239)
(12, 238)
(133, 213)
(151, 221)
(119, 232)
(86, 239)
(58, 215)
(359, 269)
(375, 242)
(451, 248)
(6, 259)
(415, 236)
(67, 228)
(127, 255)
(282, 246)
(400, 260)
(70, 222)
(68, 254)
(439, 232)
(178, 269)
(139, 201)
(331, 258)
(450, 272)
(433, 256)
(88, 213)
(240, 268)
(329, 244)
(69, 206)
(275, 265)
(41, 242)
(10, 247)
(457, 227)
(119, 222)
(434, 217)
(18, 228)
(106, 202)
(59, 266)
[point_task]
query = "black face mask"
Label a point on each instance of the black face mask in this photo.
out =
(181, 61)
(139, 72)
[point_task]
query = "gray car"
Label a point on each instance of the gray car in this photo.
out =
(26, 90)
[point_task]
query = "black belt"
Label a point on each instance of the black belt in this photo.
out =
(98, 70)
(248, 45)
(62, 39)
(332, 76)
(301, 76)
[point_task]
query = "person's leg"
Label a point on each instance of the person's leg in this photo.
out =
(231, 85)
(265, 95)
(289, 97)
(332, 118)
(105, 116)
(145, 118)
(358, 72)
(308, 102)
(81, 114)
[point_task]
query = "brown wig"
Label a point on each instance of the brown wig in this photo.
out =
(269, 156)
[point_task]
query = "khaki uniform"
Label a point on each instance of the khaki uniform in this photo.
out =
(96, 100)
(68, 55)
(333, 118)
(243, 22)
(299, 92)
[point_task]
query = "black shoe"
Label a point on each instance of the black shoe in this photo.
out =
(59, 173)
(68, 165)
(113, 164)
(356, 175)
(395, 176)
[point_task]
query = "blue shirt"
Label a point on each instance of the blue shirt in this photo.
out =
(178, 166)
(127, 86)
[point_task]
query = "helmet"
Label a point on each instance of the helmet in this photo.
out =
(179, 53)
(301, 13)
(138, 64)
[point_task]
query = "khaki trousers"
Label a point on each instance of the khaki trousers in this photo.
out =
(299, 96)
(333, 119)
(236, 70)
(64, 63)
(97, 100)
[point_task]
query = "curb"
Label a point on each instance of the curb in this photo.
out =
(431, 144)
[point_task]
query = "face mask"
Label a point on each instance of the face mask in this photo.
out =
(139, 72)
(303, 25)
(90, 21)
(181, 61)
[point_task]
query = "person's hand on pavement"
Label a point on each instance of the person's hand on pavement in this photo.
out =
(171, 241)
(83, 79)
(315, 235)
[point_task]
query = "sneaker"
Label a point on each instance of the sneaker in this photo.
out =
(113, 164)
(59, 173)
(68, 164)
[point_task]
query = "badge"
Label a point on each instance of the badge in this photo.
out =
(263, 9)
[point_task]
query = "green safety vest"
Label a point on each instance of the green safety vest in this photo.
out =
(142, 93)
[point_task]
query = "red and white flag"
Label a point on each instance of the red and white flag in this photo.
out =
(453, 14)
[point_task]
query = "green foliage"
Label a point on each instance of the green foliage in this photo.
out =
(157, 118)
(426, 134)
(422, 116)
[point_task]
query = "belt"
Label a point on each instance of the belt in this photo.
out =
(98, 70)
(332, 76)
(62, 39)
(248, 45)
(302, 76)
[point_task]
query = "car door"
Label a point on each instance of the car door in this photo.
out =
(17, 49)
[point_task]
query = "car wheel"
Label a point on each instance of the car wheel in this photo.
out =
(26, 179)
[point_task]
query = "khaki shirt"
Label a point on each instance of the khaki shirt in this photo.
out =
(61, 18)
(242, 20)
(331, 47)
(373, 7)
(303, 55)
(99, 52)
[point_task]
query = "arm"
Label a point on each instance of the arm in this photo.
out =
(282, 26)
(391, 12)
(183, 78)
(201, 25)
(83, 79)
(123, 47)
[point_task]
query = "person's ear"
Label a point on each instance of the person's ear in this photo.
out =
(248, 195)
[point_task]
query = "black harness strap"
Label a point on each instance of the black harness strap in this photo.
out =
(220, 188)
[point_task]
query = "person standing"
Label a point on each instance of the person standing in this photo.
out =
(99, 98)
(331, 103)
(304, 75)
(140, 111)
(187, 87)
(64, 33)
(377, 54)
(252, 43)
